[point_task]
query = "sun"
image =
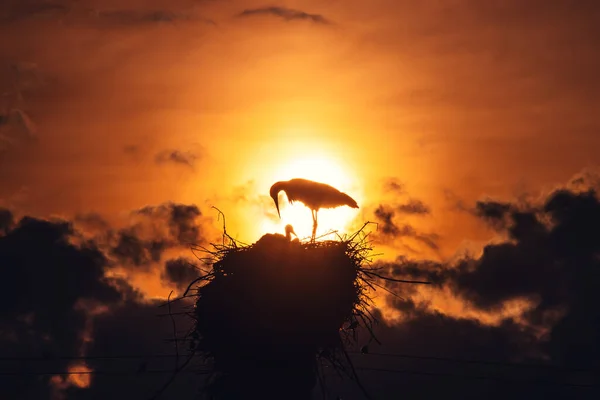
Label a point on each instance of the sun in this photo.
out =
(325, 169)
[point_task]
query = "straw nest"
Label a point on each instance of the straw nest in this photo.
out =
(277, 306)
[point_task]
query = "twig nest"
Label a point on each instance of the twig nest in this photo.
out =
(277, 297)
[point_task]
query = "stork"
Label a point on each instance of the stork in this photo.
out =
(272, 239)
(314, 195)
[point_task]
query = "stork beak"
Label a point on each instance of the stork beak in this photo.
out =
(277, 206)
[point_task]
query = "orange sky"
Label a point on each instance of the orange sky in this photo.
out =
(423, 92)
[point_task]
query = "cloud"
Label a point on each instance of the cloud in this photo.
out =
(57, 299)
(492, 211)
(16, 10)
(6, 220)
(180, 271)
(414, 207)
(130, 17)
(64, 10)
(130, 249)
(176, 157)
(154, 230)
(180, 219)
(45, 280)
(395, 186)
(287, 14)
(551, 257)
(388, 229)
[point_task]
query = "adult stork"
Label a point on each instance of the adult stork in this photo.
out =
(314, 195)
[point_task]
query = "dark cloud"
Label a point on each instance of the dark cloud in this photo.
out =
(6, 220)
(551, 258)
(414, 207)
(130, 249)
(447, 341)
(180, 271)
(180, 219)
(134, 18)
(52, 284)
(91, 222)
(135, 328)
(395, 186)
(177, 157)
(156, 229)
(492, 210)
(46, 281)
(388, 229)
(287, 14)
(15, 10)
(56, 300)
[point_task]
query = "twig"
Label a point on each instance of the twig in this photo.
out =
(196, 280)
(174, 330)
(388, 290)
(387, 278)
(225, 234)
(355, 375)
(172, 378)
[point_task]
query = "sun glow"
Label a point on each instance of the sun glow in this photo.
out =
(319, 169)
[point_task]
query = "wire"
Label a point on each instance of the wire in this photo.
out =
(386, 370)
(480, 377)
(392, 355)
(482, 362)
(100, 372)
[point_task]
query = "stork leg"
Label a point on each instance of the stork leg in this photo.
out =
(314, 232)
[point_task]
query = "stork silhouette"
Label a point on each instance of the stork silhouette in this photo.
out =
(273, 239)
(314, 195)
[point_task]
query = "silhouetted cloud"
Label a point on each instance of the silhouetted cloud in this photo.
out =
(389, 229)
(287, 14)
(56, 299)
(551, 259)
(180, 271)
(17, 10)
(130, 249)
(6, 220)
(414, 207)
(131, 17)
(180, 219)
(157, 229)
(177, 157)
(395, 186)
(132, 327)
(51, 287)
(46, 283)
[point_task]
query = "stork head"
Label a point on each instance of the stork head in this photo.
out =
(275, 189)
(289, 231)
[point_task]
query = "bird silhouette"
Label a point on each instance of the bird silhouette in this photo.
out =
(274, 238)
(314, 195)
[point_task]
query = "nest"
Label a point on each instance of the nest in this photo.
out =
(270, 311)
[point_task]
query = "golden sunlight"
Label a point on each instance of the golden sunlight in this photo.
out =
(320, 169)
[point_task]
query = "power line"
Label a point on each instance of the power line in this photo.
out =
(542, 382)
(391, 355)
(482, 362)
(100, 372)
(481, 377)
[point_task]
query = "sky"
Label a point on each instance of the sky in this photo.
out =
(467, 130)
